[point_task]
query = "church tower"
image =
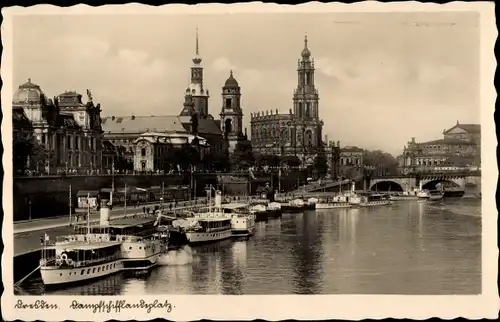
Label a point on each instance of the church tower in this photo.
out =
(231, 115)
(305, 98)
(196, 96)
(305, 106)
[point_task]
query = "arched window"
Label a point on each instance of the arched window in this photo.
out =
(143, 152)
(228, 126)
(309, 138)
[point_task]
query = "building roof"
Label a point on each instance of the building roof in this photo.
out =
(141, 124)
(28, 93)
(231, 82)
(172, 138)
(351, 149)
(446, 142)
(205, 126)
(471, 128)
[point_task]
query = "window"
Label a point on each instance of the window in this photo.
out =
(143, 152)
(228, 103)
(98, 269)
(93, 270)
(76, 142)
(88, 271)
(83, 271)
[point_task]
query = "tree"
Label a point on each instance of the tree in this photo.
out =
(122, 163)
(321, 165)
(242, 157)
(383, 163)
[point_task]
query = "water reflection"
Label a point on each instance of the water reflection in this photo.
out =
(307, 255)
(407, 248)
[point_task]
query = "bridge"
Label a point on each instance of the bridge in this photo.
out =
(428, 180)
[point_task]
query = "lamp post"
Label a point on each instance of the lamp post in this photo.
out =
(29, 209)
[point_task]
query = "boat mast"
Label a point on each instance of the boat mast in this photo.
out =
(88, 214)
(125, 206)
(112, 182)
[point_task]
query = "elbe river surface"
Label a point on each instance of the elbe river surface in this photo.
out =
(409, 247)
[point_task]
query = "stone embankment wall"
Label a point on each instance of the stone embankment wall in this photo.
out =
(49, 196)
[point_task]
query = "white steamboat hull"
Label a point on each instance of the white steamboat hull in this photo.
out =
(333, 205)
(375, 203)
(238, 231)
(140, 263)
(59, 276)
(201, 237)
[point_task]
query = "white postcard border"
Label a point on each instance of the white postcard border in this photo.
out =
(247, 307)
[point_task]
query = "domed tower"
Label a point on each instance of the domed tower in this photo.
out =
(231, 115)
(196, 97)
(30, 98)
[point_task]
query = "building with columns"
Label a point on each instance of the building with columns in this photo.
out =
(69, 129)
(459, 149)
(299, 132)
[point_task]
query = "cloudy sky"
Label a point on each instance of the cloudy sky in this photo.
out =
(382, 77)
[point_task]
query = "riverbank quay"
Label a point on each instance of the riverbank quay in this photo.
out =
(27, 234)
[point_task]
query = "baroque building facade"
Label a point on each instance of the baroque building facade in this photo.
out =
(67, 128)
(299, 132)
(125, 132)
(459, 149)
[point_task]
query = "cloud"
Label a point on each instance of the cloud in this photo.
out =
(223, 64)
(133, 56)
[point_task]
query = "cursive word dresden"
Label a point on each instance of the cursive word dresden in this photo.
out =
(118, 305)
(37, 305)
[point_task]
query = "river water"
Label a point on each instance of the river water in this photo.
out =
(409, 247)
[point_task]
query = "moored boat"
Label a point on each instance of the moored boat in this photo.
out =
(375, 199)
(273, 210)
(260, 212)
(296, 205)
(435, 195)
(242, 220)
(332, 205)
(423, 194)
(103, 249)
(71, 261)
(208, 229)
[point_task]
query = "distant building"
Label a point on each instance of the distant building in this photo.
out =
(122, 131)
(151, 148)
(298, 133)
(344, 161)
(67, 128)
(231, 115)
(193, 119)
(459, 149)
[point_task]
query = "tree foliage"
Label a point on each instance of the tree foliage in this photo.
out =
(27, 148)
(381, 162)
(242, 157)
(321, 165)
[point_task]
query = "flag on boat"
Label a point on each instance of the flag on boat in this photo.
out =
(46, 237)
(250, 171)
(157, 218)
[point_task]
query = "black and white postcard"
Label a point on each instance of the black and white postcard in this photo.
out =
(245, 161)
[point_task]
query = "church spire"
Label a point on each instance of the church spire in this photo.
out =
(197, 57)
(305, 52)
(197, 48)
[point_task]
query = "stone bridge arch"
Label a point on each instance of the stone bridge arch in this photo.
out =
(387, 185)
(404, 183)
(431, 182)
